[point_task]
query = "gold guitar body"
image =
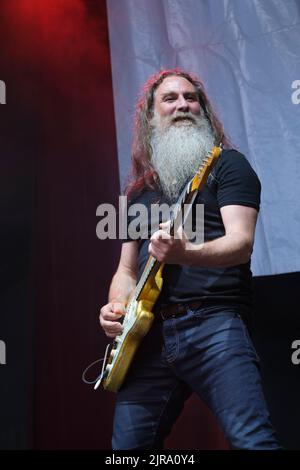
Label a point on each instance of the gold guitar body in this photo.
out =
(137, 322)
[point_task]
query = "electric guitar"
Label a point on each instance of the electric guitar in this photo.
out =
(139, 317)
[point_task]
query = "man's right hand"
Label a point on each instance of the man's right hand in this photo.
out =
(108, 317)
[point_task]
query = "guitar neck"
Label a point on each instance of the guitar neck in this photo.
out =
(150, 269)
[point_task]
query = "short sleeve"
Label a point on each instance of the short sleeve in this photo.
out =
(237, 181)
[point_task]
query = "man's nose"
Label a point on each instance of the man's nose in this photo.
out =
(182, 104)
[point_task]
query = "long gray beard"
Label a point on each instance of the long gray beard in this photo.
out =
(178, 150)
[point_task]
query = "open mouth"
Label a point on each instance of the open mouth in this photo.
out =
(183, 119)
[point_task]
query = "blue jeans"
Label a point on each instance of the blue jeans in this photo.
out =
(207, 351)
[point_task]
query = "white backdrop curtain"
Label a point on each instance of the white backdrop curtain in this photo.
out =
(247, 52)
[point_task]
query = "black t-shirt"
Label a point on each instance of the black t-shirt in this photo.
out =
(232, 181)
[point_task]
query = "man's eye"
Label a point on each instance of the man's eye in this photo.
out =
(169, 99)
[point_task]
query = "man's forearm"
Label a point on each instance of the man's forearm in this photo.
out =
(230, 250)
(122, 285)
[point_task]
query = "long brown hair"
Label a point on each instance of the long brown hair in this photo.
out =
(142, 173)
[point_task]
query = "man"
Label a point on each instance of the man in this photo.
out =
(199, 341)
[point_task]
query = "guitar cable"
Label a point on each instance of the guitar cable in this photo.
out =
(99, 377)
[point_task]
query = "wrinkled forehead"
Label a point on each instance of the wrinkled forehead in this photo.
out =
(174, 84)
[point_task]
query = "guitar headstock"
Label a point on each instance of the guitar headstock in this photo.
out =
(207, 165)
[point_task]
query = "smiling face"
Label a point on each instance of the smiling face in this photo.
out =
(176, 99)
(181, 134)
